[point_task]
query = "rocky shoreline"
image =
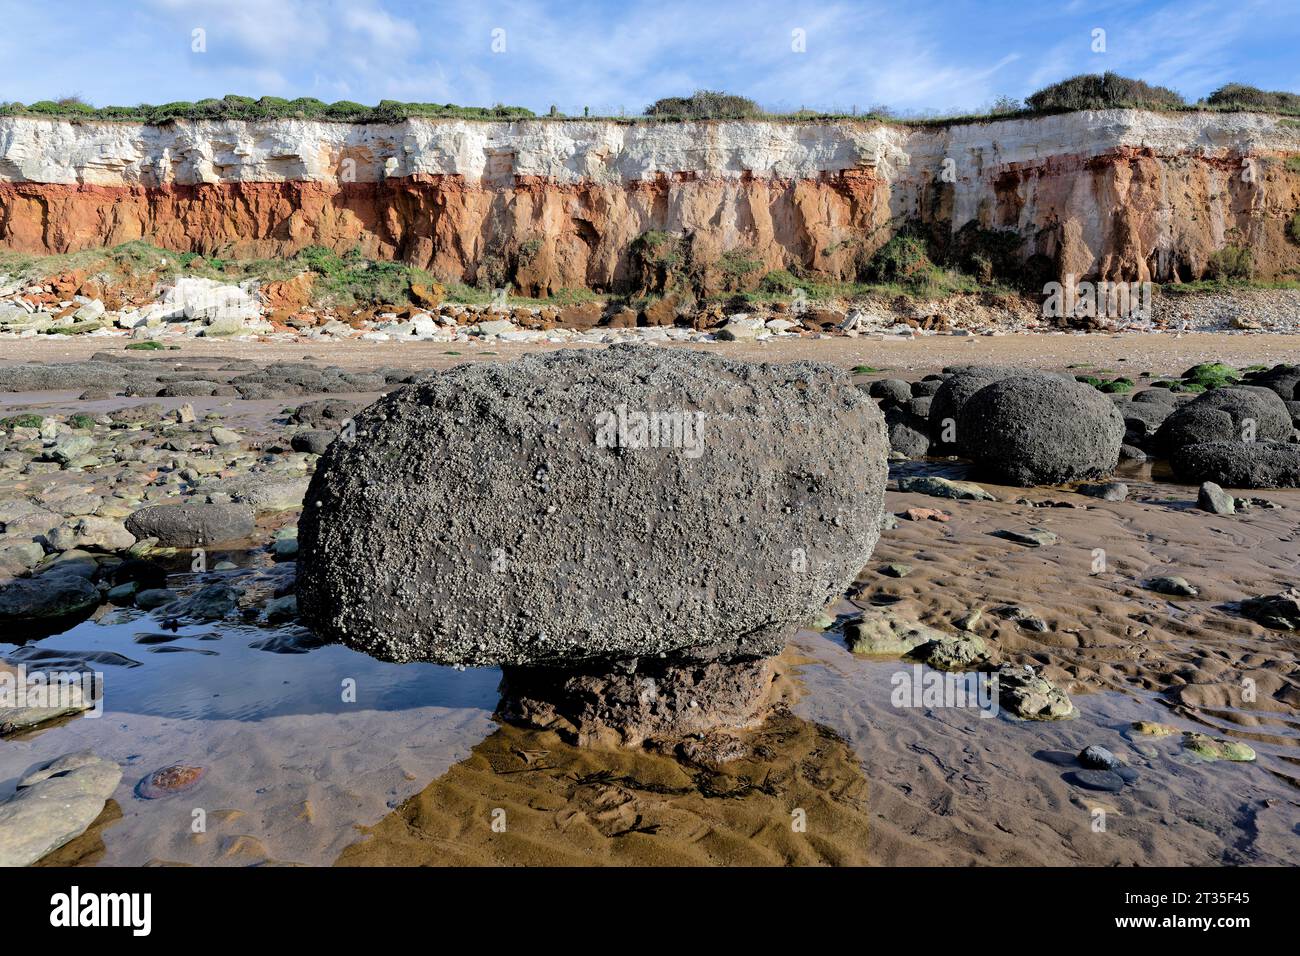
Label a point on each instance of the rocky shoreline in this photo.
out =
(166, 314)
(101, 509)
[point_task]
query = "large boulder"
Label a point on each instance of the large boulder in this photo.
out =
(1040, 430)
(193, 524)
(1239, 464)
(531, 513)
(1225, 414)
(956, 390)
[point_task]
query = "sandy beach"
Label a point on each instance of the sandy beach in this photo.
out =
(420, 773)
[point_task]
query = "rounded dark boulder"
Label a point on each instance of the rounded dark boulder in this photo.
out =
(1041, 430)
(1282, 379)
(1225, 414)
(956, 390)
(193, 524)
(1239, 464)
(313, 441)
(593, 505)
(890, 391)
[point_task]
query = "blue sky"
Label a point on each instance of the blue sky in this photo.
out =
(915, 56)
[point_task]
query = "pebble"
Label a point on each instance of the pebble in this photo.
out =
(167, 781)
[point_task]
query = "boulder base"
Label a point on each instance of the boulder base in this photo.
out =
(638, 701)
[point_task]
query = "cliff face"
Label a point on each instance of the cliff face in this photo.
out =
(1120, 195)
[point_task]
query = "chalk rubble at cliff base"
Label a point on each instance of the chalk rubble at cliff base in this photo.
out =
(193, 307)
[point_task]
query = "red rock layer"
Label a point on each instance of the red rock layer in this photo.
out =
(1128, 215)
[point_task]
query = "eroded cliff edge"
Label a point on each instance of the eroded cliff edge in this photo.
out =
(1117, 194)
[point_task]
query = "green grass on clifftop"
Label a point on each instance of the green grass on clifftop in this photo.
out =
(1089, 91)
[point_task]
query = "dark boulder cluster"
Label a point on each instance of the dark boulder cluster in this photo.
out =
(1026, 426)
(1239, 436)
(906, 406)
(1019, 426)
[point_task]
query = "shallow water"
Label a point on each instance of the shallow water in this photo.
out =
(291, 766)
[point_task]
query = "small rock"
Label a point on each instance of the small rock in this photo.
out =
(1104, 781)
(210, 603)
(926, 514)
(1098, 758)
(1214, 499)
(123, 594)
(896, 570)
(1031, 696)
(314, 441)
(1109, 491)
(193, 524)
(1175, 586)
(28, 711)
(944, 488)
(281, 609)
(952, 652)
(1033, 538)
(879, 632)
(54, 803)
(1149, 728)
(1278, 611)
(1216, 748)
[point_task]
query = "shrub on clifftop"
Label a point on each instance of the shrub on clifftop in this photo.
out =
(705, 104)
(232, 107)
(1241, 96)
(1102, 91)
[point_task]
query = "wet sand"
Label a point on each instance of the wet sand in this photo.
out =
(946, 786)
(1164, 352)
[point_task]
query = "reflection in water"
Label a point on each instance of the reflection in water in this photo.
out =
(793, 794)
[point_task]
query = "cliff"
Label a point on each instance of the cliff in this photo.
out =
(1120, 194)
